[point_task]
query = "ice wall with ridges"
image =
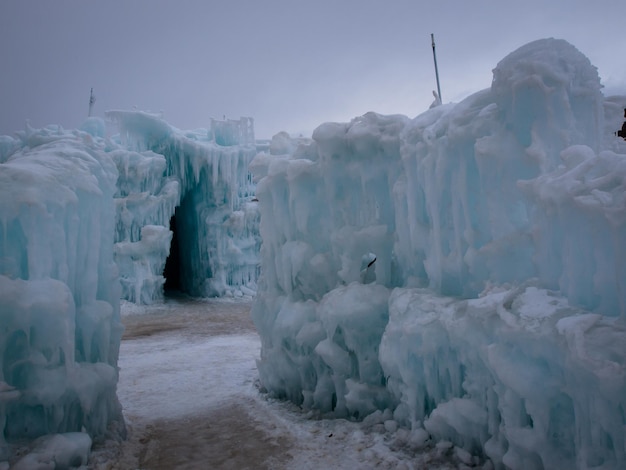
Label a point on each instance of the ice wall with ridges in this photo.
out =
(59, 296)
(493, 232)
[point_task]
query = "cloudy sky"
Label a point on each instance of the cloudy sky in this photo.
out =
(290, 64)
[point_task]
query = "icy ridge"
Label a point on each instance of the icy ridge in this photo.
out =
(464, 269)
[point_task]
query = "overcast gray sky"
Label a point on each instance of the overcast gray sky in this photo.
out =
(290, 64)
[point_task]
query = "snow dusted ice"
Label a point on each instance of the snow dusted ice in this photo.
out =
(459, 276)
(497, 317)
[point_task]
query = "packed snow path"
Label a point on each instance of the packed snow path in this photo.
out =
(189, 392)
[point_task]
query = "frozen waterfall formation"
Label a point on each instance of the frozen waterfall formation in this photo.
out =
(197, 184)
(496, 229)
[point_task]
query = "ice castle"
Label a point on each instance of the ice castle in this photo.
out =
(460, 274)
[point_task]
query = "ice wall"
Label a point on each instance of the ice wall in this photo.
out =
(465, 269)
(60, 326)
(205, 186)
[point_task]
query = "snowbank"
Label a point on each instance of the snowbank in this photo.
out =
(493, 231)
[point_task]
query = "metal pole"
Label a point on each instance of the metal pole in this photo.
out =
(432, 37)
(92, 100)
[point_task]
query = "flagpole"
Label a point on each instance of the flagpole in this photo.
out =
(92, 100)
(432, 37)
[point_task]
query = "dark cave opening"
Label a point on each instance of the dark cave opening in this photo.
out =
(172, 270)
(185, 271)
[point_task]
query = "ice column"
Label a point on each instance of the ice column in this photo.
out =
(59, 291)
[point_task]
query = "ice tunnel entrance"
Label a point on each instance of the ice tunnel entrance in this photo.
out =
(178, 271)
(183, 267)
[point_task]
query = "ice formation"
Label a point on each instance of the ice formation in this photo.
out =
(495, 317)
(59, 297)
(197, 185)
(86, 221)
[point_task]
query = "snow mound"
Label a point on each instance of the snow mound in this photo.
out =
(57, 451)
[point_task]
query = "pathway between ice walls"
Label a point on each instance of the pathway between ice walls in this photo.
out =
(60, 326)
(195, 185)
(465, 269)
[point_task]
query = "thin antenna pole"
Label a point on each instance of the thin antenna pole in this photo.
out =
(432, 38)
(92, 100)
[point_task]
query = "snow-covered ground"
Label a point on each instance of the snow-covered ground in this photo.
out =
(189, 389)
